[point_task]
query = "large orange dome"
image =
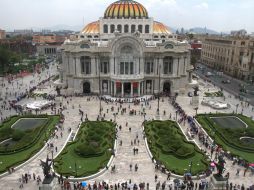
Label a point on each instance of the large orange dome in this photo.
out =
(126, 9)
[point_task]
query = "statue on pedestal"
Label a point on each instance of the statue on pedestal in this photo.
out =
(46, 166)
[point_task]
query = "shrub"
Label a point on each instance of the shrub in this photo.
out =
(17, 135)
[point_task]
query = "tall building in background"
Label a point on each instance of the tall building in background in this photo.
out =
(2, 34)
(128, 52)
(233, 55)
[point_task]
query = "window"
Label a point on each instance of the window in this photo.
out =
(167, 65)
(112, 28)
(149, 67)
(126, 28)
(126, 68)
(85, 62)
(119, 28)
(122, 68)
(105, 28)
(131, 68)
(133, 28)
(140, 28)
(104, 67)
(146, 29)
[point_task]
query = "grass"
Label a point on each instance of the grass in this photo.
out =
(89, 152)
(228, 137)
(169, 146)
(13, 156)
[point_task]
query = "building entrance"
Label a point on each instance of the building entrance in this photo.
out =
(166, 88)
(86, 88)
(127, 88)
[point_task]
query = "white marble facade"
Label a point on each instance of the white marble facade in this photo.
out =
(125, 63)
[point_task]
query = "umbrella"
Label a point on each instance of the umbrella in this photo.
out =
(176, 180)
(84, 183)
(188, 174)
(251, 164)
(212, 164)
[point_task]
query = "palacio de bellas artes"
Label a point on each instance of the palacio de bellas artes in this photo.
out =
(152, 95)
(128, 53)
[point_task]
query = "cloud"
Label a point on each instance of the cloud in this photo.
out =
(202, 6)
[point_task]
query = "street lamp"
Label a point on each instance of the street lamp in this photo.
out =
(159, 87)
(176, 116)
(196, 109)
(236, 108)
(100, 87)
(190, 166)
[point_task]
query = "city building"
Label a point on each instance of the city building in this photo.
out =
(48, 38)
(2, 34)
(49, 44)
(125, 54)
(233, 55)
(196, 48)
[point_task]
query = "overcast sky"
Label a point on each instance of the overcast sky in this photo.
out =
(220, 15)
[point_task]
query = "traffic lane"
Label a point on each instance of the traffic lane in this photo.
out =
(233, 88)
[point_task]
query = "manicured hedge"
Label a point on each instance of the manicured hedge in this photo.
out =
(14, 158)
(90, 150)
(229, 138)
(168, 145)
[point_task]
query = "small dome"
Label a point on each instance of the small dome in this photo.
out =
(91, 28)
(159, 28)
(126, 9)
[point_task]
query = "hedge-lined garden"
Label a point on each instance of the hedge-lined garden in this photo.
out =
(229, 137)
(90, 151)
(23, 144)
(170, 147)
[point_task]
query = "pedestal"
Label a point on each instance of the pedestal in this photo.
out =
(218, 183)
(48, 184)
(195, 101)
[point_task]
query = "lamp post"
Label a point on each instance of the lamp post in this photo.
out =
(158, 106)
(236, 108)
(190, 166)
(100, 88)
(176, 116)
(196, 109)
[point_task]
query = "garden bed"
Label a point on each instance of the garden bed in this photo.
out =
(89, 152)
(170, 147)
(23, 142)
(227, 130)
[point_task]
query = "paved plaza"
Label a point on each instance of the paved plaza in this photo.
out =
(124, 154)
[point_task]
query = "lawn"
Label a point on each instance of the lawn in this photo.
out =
(90, 151)
(227, 133)
(169, 146)
(24, 143)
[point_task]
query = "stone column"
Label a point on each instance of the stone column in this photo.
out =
(122, 94)
(131, 89)
(114, 88)
(138, 88)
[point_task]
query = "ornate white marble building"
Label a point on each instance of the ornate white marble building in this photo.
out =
(127, 54)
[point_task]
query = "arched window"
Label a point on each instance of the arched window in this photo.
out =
(133, 28)
(167, 65)
(126, 28)
(105, 28)
(112, 28)
(119, 28)
(147, 29)
(85, 62)
(140, 28)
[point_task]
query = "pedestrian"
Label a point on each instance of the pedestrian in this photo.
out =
(155, 177)
(34, 176)
(168, 177)
(237, 172)
(130, 167)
